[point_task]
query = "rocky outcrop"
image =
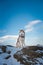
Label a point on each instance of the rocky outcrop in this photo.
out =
(30, 55)
(3, 48)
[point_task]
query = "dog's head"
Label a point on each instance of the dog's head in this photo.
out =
(22, 33)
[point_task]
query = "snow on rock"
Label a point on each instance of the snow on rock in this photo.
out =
(30, 55)
(6, 58)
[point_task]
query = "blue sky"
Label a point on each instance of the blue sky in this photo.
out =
(17, 14)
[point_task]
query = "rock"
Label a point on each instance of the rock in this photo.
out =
(8, 57)
(3, 48)
(1, 52)
(29, 55)
(8, 52)
(4, 64)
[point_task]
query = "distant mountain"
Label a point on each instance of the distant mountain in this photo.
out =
(40, 45)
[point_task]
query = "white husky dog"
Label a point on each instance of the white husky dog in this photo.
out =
(21, 39)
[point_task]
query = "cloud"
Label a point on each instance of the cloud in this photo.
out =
(10, 36)
(34, 40)
(29, 27)
(4, 38)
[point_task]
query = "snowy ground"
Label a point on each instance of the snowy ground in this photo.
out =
(26, 56)
(10, 60)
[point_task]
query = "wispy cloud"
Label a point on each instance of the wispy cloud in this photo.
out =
(29, 27)
(4, 38)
